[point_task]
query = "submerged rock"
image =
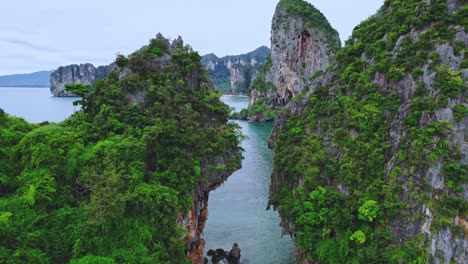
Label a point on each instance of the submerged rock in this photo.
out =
(219, 255)
(234, 255)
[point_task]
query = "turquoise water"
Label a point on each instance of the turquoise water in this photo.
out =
(236, 210)
(35, 105)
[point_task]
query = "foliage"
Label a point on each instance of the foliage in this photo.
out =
(360, 172)
(260, 84)
(220, 74)
(460, 111)
(368, 211)
(449, 82)
(313, 18)
(79, 89)
(358, 236)
(107, 184)
(261, 107)
(121, 61)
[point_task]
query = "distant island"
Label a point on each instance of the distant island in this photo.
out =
(230, 74)
(35, 79)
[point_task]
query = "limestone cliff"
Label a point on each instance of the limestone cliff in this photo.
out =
(230, 74)
(175, 68)
(302, 44)
(371, 161)
(84, 73)
(234, 74)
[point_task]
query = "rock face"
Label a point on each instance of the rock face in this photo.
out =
(71, 74)
(214, 169)
(230, 74)
(302, 43)
(221, 256)
(234, 74)
(380, 138)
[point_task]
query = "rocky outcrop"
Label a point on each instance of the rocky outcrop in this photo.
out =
(230, 74)
(410, 92)
(83, 73)
(196, 218)
(71, 74)
(232, 257)
(302, 44)
(234, 74)
(214, 169)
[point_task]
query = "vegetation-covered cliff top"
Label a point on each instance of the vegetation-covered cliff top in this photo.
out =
(259, 54)
(370, 165)
(312, 17)
(109, 184)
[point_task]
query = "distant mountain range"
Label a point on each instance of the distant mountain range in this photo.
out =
(40, 78)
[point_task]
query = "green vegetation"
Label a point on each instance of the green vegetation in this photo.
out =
(260, 84)
(107, 184)
(261, 107)
(312, 18)
(460, 111)
(221, 75)
(341, 177)
(81, 90)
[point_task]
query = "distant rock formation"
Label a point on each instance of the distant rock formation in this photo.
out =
(230, 74)
(234, 74)
(83, 73)
(300, 47)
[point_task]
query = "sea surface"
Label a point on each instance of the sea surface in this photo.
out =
(36, 105)
(237, 209)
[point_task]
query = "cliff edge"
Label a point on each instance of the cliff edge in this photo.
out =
(371, 160)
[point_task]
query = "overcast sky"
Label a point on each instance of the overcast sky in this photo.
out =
(44, 34)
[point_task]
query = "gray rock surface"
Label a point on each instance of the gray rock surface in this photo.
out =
(444, 245)
(234, 74)
(84, 73)
(298, 50)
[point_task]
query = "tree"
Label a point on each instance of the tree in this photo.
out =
(79, 89)
(368, 211)
(121, 60)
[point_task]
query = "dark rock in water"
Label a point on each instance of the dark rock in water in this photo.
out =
(205, 260)
(234, 255)
(219, 255)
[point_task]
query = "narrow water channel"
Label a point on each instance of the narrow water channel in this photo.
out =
(237, 209)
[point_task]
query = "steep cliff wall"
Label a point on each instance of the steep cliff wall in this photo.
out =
(83, 73)
(234, 74)
(371, 161)
(171, 63)
(230, 74)
(302, 44)
(71, 74)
